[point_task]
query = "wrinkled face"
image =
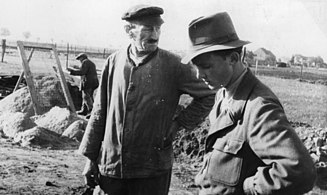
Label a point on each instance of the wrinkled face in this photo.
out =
(213, 69)
(145, 37)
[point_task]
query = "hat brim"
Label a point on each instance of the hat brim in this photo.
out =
(198, 50)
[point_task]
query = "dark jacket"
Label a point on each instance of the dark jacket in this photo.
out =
(252, 148)
(129, 130)
(88, 73)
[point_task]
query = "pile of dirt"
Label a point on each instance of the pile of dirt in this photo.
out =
(19, 101)
(191, 143)
(75, 130)
(12, 123)
(57, 119)
(42, 137)
(50, 129)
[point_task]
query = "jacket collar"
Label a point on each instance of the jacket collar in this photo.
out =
(237, 104)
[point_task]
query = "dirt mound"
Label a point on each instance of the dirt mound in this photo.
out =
(41, 137)
(189, 145)
(12, 123)
(19, 101)
(75, 130)
(49, 94)
(17, 118)
(56, 120)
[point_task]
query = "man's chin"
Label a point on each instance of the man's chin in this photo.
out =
(151, 48)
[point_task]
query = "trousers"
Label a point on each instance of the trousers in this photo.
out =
(87, 98)
(158, 185)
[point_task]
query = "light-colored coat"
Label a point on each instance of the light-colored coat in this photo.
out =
(252, 148)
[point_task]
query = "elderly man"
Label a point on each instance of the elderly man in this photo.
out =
(89, 82)
(128, 140)
(251, 147)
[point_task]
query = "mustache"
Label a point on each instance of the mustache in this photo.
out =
(152, 41)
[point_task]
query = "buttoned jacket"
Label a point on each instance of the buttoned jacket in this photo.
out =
(129, 132)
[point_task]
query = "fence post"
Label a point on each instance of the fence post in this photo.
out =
(256, 67)
(67, 55)
(104, 53)
(301, 72)
(3, 45)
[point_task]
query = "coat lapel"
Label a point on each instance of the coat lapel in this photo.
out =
(236, 106)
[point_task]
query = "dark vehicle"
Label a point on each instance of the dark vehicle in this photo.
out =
(281, 64)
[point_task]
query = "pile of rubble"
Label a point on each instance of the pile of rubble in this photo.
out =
(56, 127)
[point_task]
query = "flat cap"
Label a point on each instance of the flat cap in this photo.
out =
(143, 12)
(81, 55)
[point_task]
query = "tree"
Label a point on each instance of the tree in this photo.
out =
(26, 35)
(4, 32)
(292, 60)
(319, 60)
(249, 58)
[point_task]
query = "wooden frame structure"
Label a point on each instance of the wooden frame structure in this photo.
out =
(21, 45)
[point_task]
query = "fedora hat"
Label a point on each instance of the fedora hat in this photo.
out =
(211, 33)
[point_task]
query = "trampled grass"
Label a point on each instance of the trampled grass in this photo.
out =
(303, 102)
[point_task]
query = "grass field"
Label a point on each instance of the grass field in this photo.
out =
(303, 102)
(311, 75)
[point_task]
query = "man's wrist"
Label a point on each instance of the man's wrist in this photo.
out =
(248, 186)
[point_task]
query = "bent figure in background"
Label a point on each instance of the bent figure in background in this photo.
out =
(89, 82)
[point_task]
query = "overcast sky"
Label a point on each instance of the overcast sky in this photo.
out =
(284, 27)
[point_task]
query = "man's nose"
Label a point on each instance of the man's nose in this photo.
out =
(156, 31)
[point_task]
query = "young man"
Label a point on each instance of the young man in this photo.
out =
(251, 147)
(128, 140)
(89, 82)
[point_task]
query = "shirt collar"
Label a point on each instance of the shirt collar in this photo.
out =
(138, 61)
(230, 90)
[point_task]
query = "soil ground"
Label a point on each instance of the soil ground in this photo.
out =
(39, 171)
(35, 171)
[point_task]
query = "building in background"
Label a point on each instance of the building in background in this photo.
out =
(264, 57)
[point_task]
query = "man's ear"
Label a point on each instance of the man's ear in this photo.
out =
(127, 29)
(234, 57)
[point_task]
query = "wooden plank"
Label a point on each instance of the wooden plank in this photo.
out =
(22, 73)
(28, 77)
(67, 55)
(36, 45)
(63, 81)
